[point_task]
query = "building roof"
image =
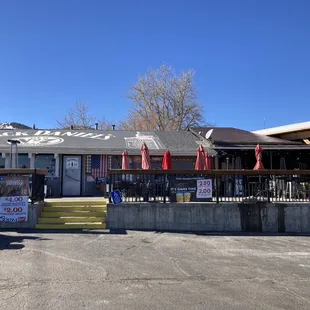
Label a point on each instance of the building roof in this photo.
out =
(284, 129)
(113, 142)
(99, 142)
(239, 139)
(183, 140)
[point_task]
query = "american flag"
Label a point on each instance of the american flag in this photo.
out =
(99, 166)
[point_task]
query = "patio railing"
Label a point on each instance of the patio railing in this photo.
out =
(211, 186)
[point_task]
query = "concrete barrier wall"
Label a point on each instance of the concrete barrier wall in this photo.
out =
(34, 211)
(208, 217)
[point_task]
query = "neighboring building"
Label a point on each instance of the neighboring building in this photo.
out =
(233, 143)
(299, 132)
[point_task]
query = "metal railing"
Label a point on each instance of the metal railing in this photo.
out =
(211, 186)
(35, 178)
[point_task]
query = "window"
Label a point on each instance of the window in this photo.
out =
(117, 162)
(2, 162)
(23, 161)
(45, 162)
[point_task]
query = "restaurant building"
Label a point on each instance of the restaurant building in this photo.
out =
(77, 161)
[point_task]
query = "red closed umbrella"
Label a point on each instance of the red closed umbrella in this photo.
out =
(208, 162)
(167, 161)
(125, 160)
(146, 160)
(201, 159)
(259, 158)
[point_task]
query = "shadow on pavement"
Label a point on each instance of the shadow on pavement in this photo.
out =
(71, 231)
(237, 234)
(8, 242)
(124, 232)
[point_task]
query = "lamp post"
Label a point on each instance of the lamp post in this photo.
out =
(14, 153)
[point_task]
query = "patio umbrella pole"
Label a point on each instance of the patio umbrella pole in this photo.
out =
(259, 166)
(166, 165)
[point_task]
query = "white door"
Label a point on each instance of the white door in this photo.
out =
(71, 176)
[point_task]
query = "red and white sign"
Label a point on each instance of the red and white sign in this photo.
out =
(204, 188)
(14, 209)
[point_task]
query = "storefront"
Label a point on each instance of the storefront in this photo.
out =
(78, 161)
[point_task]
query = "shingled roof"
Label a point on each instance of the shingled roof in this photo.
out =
(235, 137)
(100, 141)
(183, 141)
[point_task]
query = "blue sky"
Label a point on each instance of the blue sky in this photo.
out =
(251, 57)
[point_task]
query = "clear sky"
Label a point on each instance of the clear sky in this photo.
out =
(251, 57)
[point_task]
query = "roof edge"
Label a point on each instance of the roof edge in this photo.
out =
(283, 129)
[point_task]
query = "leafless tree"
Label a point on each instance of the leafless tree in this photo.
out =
(104, 124)
(80, 118)
(164, 101)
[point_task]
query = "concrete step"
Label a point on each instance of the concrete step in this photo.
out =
(52, 220)
(74, 214)
(71, 226)
(70, 203)
(73, 209)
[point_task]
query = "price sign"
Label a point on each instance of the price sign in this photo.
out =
(204, 188)
(14, 209)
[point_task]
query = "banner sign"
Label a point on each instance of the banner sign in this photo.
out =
(14, 209)
(14, 194)
(189, 188)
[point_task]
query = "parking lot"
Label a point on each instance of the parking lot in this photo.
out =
(149, 270)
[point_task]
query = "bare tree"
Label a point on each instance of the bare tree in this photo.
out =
(104, 124)
(80, 118)
(164, 101)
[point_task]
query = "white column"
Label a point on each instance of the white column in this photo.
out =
(31, 156)
(56, 156)
(13, 160)
(7, 160)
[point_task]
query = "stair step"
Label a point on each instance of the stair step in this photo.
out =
(74, 214)
(51, 220)
(71, 226)
(72, 209)
(77, 203)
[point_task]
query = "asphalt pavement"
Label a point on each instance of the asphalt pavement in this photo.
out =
(149, 270)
